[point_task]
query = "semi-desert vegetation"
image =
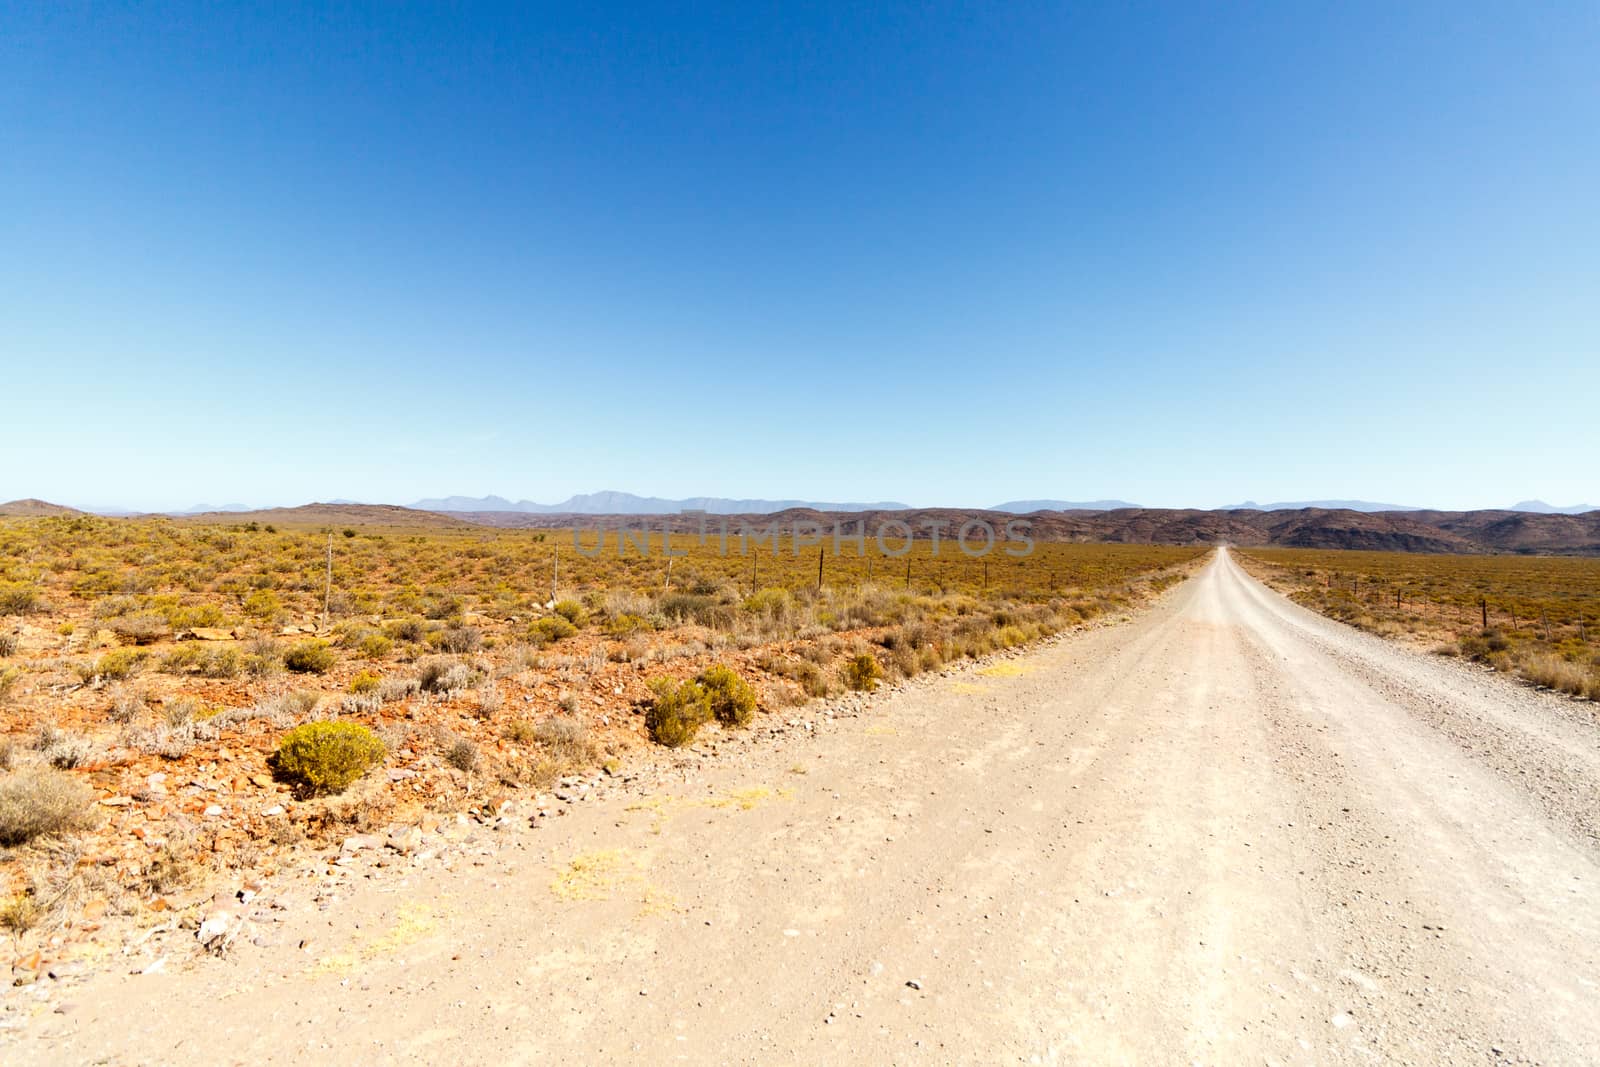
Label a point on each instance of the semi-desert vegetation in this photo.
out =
(1537, 617)
(178, 697)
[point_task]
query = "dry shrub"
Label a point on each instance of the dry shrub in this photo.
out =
(392, 689)
(490, 700)
(861, 672)
(565, 740)
(677, 712)
(67, 750)
(42, 802)
(462, 755)
(443, 675)
(176, 864)
(1553, 672)
(9, 677)
(458, 639)
(141, 629)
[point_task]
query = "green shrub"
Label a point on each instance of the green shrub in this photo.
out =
(40, 802)
(570, 610)
(862, 672)
(626, 625)
(326, 757)
(408, 630)
(550, 629)
(208, 662)
(365, 682)
(733, 701)
(9, 677)
(119, 664)
(309, 657)
(18, 598)
(262, 604)
(771, 604)
(677, 712)
(375, 646)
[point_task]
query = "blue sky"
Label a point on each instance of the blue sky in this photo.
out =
(1179, 254)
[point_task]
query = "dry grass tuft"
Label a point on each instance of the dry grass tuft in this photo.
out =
(42, 802)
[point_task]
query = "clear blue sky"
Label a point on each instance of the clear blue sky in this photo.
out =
(1181, 254)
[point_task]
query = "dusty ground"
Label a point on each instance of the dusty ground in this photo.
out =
(1228, 831)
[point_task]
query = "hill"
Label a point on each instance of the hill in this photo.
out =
(1027, 507)
(32, 509)
(1399, 531)
(1328, 505)
(610, 502)
(333, 515)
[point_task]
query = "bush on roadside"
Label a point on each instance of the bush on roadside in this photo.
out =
(861, 672)
(1554, 672)
(327, 757)
(733, 701)
(677, 712)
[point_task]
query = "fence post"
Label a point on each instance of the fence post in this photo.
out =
(1483, 604)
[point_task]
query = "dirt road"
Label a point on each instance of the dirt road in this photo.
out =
(1228, 831)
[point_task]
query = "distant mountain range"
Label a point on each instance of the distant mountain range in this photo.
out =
(1025, 507)
(1539, 507)
(618, 503)
(611, 502)
(1296, 505)
(207, 509)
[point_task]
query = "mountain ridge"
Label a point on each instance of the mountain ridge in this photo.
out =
(614, 502)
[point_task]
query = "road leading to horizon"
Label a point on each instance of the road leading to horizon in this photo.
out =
(1228, 831)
